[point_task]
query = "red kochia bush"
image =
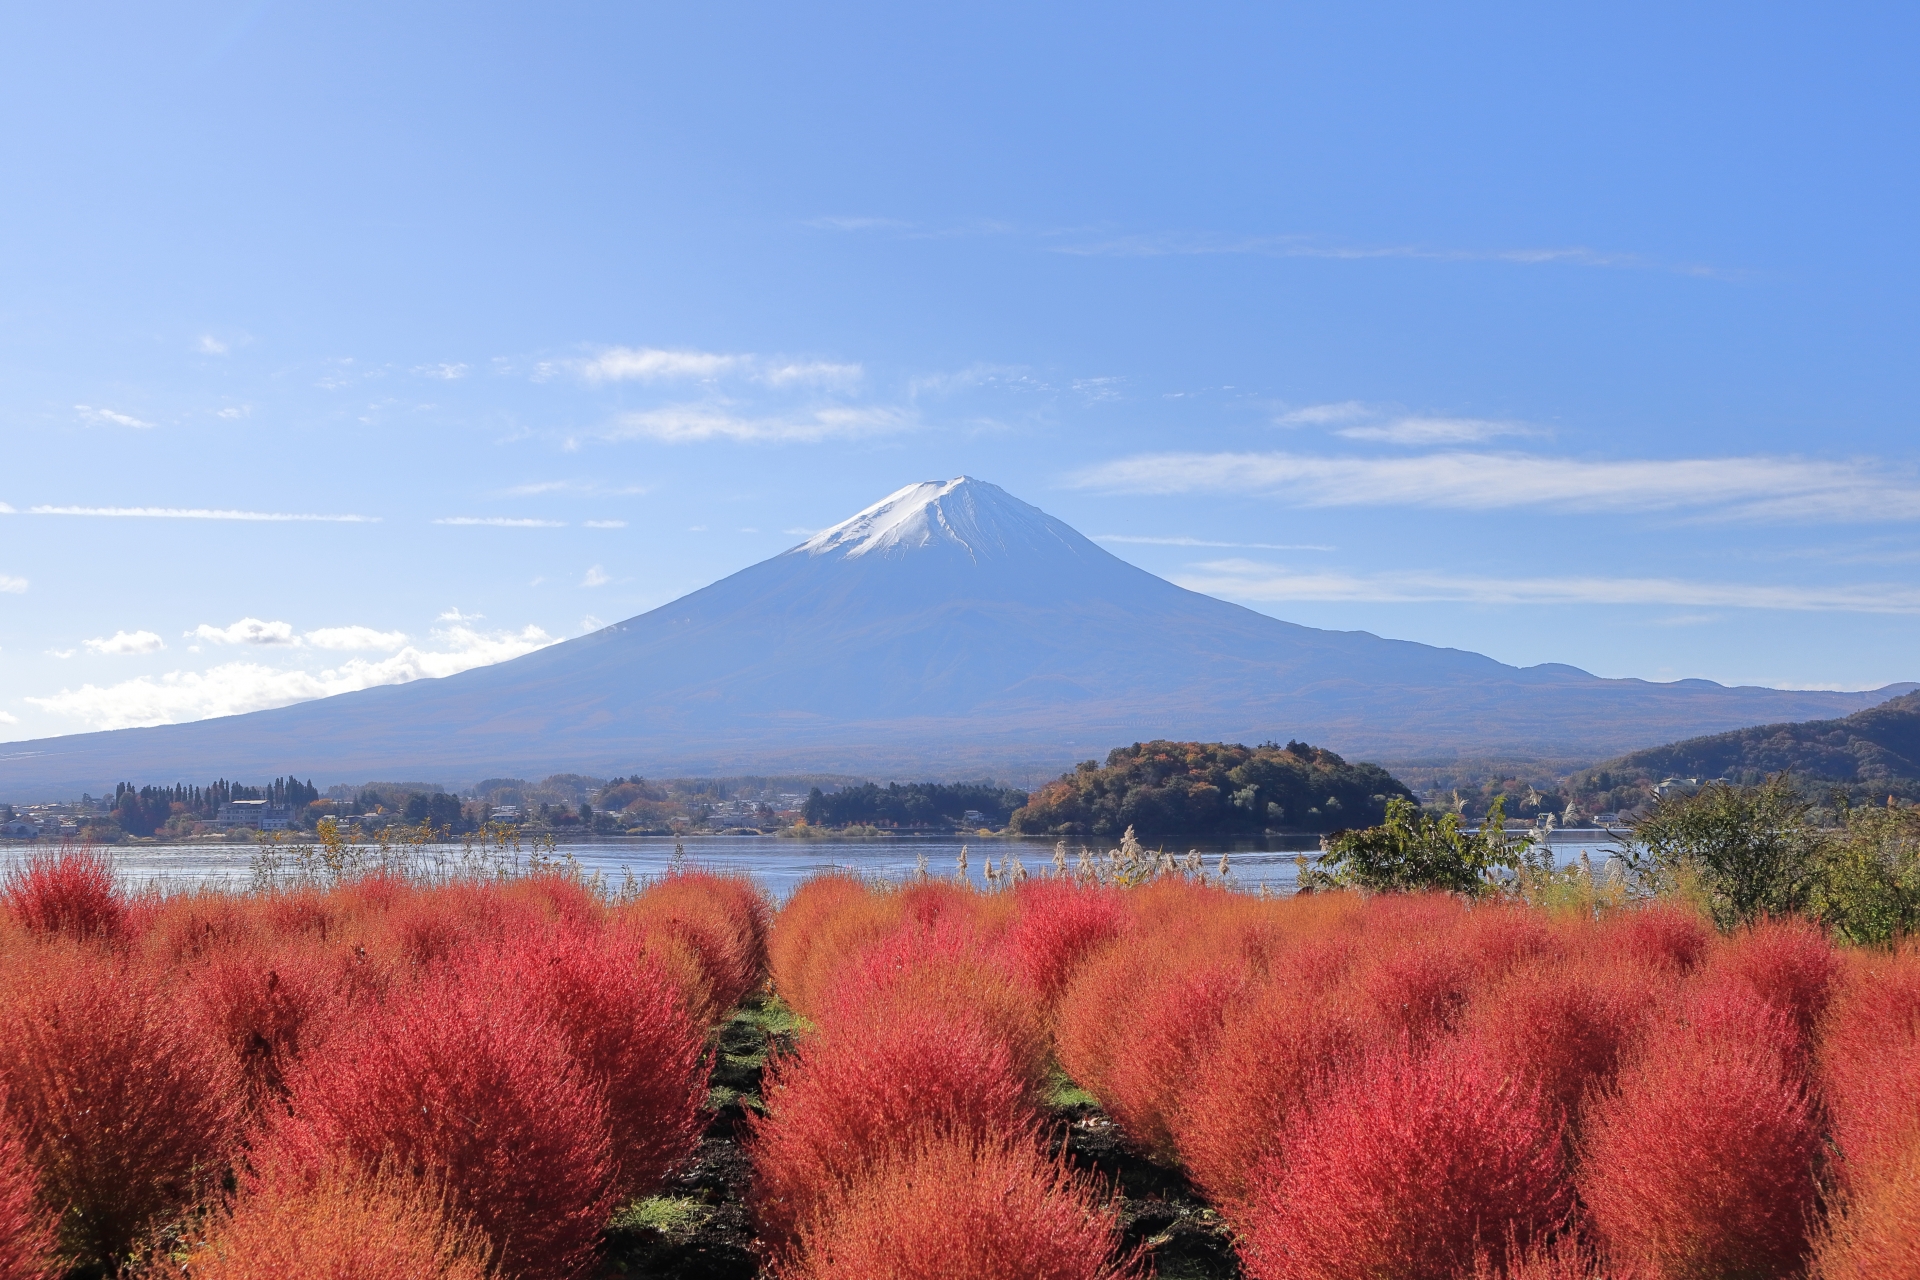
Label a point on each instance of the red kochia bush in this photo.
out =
(1172, 1022)
(1699, 1162)
(1057, 925)
(721, 917)
(1661, 934)
(1876, 1236)
(127, 1112)
(1564, 1026)
(70, 892)
(852, 1096)
(1270, 1056)
(954, 1207)
(1412, 1168)
(24, 1239)
(1788, 964)
(461, 1084)
(267, 1004)
(344, 1226)
(1870, 1064)
(626, 1029)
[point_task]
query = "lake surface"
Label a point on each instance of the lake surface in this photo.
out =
(778, 865)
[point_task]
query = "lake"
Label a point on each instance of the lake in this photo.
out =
(778, 865)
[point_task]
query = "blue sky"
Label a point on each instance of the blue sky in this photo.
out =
(1577, 333)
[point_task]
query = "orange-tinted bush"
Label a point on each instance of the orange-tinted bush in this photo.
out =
(829, 921)
(850, 1098)
(1057, 925)
(1270, 1057)
(626, 1029)
(69, 892)
(1565, 1258)
(1699, 1161)
(126, 1111)
(1870, 1064)
(25, 1242)
(1411, 1167)
(1170, 1025)
(1876, 1235)
(185, 926)
(460, 1084)
(720, 917)
(343, 1226)
(949, 1208)
(1417, 990)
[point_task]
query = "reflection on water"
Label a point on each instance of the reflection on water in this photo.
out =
(778, 865)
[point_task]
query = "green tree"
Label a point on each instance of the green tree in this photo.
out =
(1413, 850)
(1750, 851)
(1868, 887)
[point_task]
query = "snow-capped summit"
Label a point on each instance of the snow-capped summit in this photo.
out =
(948, 630)
(982, 520)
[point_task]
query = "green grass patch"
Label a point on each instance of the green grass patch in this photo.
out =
(1062, 1092)
(668, 1214)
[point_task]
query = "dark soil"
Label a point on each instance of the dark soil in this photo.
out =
(1181, 1236)
(700, 1228)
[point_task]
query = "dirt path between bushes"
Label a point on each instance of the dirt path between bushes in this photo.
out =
(699, 1227)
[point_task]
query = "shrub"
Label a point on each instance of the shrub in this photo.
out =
(1699, 1161)
(1411, 1168)
(1563, 1027)
(461, 1084)
(849, 1099)
(267, 1005)
(1172, 1022)
(828, 921)
(1660, 933)
(124, 1111)
(69, 892)
(996, 1210)
(1417, 991)
(25, 1242)
(1271, 1055)
(1870, 1065)
(720, 917)
(628, 1032)
(1877, 1234)
(1057, 925)
(345, 1224)
(1753, 851)
(1787, 963)
(1562, 1259)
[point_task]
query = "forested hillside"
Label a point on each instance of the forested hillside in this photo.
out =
(1873, 754)
(1210, 788)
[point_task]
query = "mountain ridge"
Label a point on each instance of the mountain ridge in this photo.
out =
(948, 629)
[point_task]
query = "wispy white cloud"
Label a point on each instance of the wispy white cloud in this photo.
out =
(12, 585)
(6, 510)
(1203, 542)
(1759, 488)
(208, 345)
(655, 364)
(1432, 431)
(606, 524)
(233, 412)
(236, 687)
(445, 372)
(590, 624)
(686, 424)
(246, 631)
(126, 642)
(1250, 580)
(199, 513)
(1321, 415)
(503, 522)
(109, 418)
(454, 615)
(62, 654)
(595, 577)
(7, 717)
(360, 638)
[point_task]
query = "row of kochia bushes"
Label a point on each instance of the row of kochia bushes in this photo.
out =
(465, 1080)
(1401, 1087)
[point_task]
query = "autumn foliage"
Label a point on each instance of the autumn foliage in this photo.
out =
(384, 1078)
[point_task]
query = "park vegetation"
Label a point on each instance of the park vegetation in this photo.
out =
(1449, 1060)
(1210, 789)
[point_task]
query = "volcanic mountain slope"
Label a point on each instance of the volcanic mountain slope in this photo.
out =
(949, 630)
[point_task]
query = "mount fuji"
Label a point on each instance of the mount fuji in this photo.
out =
(949, 629)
